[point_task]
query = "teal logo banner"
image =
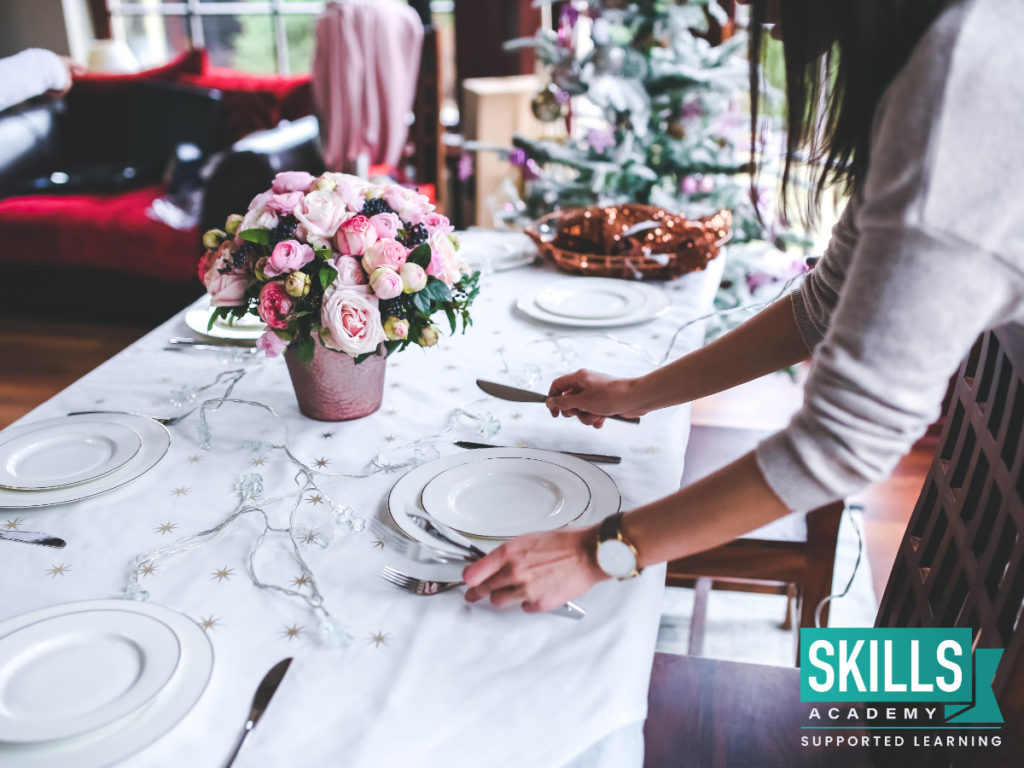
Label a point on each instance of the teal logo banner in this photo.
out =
(901, 665)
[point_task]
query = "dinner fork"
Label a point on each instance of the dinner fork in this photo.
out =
(427, 587)
(167, 421)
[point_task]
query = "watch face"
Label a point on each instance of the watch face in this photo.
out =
(616, 558)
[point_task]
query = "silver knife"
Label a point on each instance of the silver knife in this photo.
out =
(264, 693)
(505, 392)
(448, 534)
(32, 537)
(187, 341)
(597, 458)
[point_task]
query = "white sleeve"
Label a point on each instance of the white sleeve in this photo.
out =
(30, 73)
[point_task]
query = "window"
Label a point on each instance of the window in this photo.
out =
(258, 36)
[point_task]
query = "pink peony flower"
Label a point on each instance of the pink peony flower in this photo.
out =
(321, 213)
(444, 261)
(386, 283)
(409, 204)
(350, 271)
(386, 225)
(260, 201)
(258, 218)
(385, 253)
(413, 277)
(275, 305)
(351, 319)
(351, 189)
(271, 344)
(225, 286)
(293, 181)
(288, 255)
(355, 236)
(285, 202)
(436, 222)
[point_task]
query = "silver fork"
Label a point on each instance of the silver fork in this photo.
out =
(167, 421)
(426, 587)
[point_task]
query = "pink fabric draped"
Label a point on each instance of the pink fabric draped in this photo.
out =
(364, 79)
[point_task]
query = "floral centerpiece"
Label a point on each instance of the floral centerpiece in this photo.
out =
(336, 265)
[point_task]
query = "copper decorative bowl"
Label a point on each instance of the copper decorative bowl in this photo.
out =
(632, 241)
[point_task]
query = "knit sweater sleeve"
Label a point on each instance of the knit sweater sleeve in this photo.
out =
(30, 73)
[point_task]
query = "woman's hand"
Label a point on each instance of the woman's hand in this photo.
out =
(540, 570)
(591, 397)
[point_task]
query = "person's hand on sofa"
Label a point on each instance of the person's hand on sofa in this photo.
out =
(31, 73)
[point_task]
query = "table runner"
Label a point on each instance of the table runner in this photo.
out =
(426, 681)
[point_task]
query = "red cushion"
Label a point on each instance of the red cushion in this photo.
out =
(99, 109)
(255, 102)
(101, 232)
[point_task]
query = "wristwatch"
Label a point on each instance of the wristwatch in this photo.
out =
(616, 556)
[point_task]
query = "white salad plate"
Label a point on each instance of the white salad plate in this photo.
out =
(497, 498)
(579, 300)
(490, 251)
(245, 328)
(59, 455)
(155, 442)
(119, 740)
(78, 672)
(405, 495)
(593, 302)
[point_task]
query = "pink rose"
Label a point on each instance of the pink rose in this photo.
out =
(444, 262)
(409, 204)
(260, 201)
(351, 319)
(413, 276)
(386, 283)
(386, 225)
(271, 344)
(355, 236)
(285, 202)
(258, 218)
(436, 222)
(288, 255)
(225, 286)
(351, 189)
(385, 253)
(321, 213)
(350, 271)
(293, 181)
(275, 305)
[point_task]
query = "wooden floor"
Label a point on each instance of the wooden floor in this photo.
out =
(42, 357)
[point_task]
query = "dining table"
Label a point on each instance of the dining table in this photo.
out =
(388, 678)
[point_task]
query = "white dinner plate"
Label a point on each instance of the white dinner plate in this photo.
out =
(406, 494)
(498, 498)
(59, 455)
(592, 299)
(576, 297)
(117, 741)
(489, 250)
(155, 442)
(245, 328)
(77, 672)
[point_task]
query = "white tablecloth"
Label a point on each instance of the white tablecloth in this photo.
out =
(425, 681)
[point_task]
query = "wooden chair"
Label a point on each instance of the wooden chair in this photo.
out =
(960, 564)
(794, 556)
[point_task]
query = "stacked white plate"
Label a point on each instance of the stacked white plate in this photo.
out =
(245, 328)
(494, 251)
(88, 684)
(593, 302)
(60, 460)
(493, 494)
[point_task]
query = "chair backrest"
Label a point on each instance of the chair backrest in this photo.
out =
(961, 561)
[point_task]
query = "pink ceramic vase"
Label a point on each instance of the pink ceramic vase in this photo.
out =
(333, 388)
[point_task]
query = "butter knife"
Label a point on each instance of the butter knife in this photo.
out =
(505, 392)
(264, 693)
(32, 537)
(597, 458)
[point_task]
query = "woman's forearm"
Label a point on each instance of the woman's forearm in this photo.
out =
(765, 343)
(715, 510)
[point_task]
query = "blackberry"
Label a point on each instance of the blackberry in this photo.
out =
(374, 206)
(285, 229)
(414, 235)
(400, 307)
(249, 252)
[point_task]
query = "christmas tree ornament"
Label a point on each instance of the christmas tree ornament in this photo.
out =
(546, 105)
(568, 75)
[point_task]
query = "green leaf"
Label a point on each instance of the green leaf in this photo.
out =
(395, 346)
(451, 317)
(259, 236)
(360, 358)
(327, 275)
(324, 254)
(421, 301)
(220, 313)
(306, 348)
(421, 255)
(437, 290)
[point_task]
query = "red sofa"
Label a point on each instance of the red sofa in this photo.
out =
(105, 240)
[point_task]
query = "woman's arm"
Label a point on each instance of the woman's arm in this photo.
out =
(31, 73)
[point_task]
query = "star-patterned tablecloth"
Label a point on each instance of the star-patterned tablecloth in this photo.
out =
(425, 681)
